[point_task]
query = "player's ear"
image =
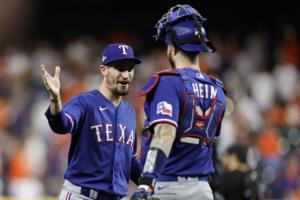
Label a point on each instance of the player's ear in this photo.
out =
(172, 49)
(103, 70)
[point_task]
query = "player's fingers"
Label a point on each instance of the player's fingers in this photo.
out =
(45, 82)
(57, 72)
(43, 74)
(43, 70)
(44, 79)
(47, 76)
(46, 85)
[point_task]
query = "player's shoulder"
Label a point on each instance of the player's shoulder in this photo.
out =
(85, 96)
(88, 94)
(187, 73)
(218, 83)
(167, 72)
(165, 77)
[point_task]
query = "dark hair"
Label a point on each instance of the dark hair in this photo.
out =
(240, 151)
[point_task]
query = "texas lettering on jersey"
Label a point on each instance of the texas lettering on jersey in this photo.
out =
(103, 142)
(104, 132)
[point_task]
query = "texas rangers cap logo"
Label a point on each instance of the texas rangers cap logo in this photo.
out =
(118, 52)
(164, 108)
(124, 48)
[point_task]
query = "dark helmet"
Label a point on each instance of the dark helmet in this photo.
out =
(183, 26)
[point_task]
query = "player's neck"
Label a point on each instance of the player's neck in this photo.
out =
(115, 99)
(190, 65)
(182, 61)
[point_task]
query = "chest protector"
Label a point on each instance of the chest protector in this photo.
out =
(203, 107)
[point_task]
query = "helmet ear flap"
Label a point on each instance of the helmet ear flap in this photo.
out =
(208, 43)
(201, 34)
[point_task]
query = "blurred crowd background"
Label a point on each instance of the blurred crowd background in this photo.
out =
(257, 57)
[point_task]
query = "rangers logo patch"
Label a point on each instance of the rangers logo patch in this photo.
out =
(164, 108)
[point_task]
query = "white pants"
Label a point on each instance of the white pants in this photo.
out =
(183, 190)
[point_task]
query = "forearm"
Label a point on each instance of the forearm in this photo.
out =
(55, 105)
(163, 138)
(162, 141)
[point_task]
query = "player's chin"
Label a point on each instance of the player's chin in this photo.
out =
(123, 91)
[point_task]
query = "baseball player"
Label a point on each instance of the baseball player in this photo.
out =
(184, 108)
(102, 154)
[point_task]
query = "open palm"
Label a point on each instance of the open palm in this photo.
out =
(52, 83)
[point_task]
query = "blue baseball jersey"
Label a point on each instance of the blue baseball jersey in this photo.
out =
(103, 143)
(194, 103)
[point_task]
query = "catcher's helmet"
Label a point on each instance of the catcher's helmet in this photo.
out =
(182, 25)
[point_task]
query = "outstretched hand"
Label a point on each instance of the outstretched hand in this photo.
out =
(51, 83)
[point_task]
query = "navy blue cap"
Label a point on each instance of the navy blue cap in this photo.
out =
(116, 52)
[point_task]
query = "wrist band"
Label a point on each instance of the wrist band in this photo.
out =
(147, 181)
(155, 161)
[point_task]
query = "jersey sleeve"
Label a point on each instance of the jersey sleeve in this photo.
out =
(162, 106)
(67, 120)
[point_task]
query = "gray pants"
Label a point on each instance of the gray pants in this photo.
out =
(71, 192)
(183, 190)
(74, 192)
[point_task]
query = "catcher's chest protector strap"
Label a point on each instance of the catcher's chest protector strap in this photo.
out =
(151, 84)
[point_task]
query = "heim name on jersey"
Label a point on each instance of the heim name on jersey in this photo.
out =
(204, 91)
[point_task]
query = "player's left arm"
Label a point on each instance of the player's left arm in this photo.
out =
(160, 148)
(164, 136)
(164, 114)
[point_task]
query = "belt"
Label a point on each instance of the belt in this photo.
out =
(90, 193)
(183, 178)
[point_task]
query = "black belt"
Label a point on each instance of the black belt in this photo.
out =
(98, 195)
(90, 193)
